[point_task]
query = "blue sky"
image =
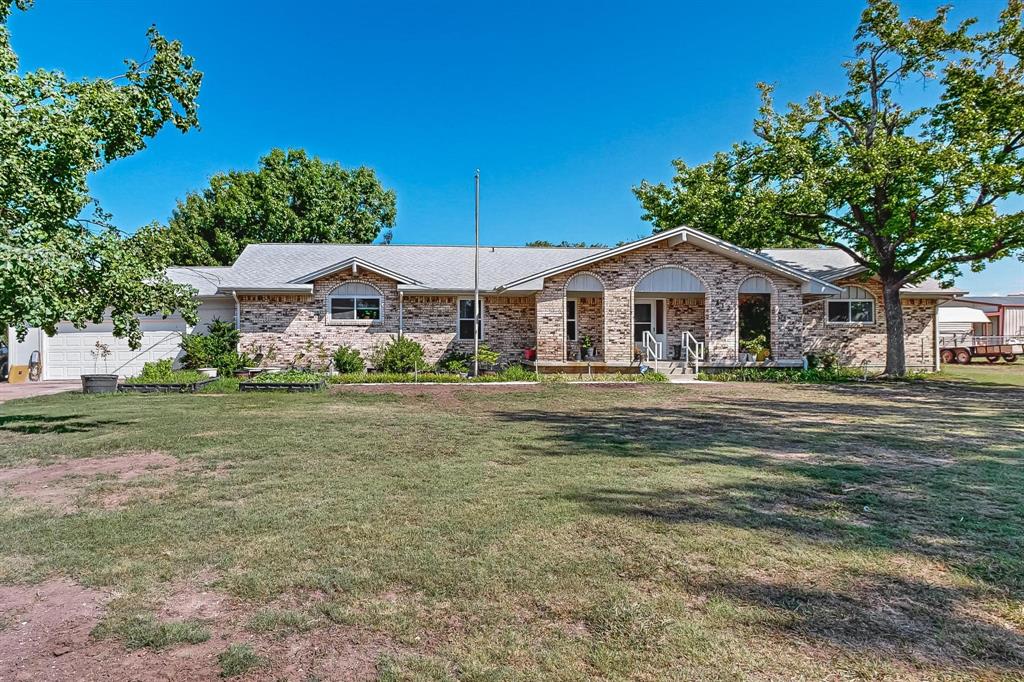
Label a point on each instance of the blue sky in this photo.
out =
(563, 106)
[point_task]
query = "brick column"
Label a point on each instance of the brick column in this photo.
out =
(720, 327)
(618, 321)
(787, 321)
(550, 324)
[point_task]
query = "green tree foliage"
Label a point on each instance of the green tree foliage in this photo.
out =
(906, 171)
(543, 243)
(291, 198)
(55, 263)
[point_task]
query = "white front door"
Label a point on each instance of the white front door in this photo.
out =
(649, 316)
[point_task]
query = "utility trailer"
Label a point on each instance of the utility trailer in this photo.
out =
(962, 348)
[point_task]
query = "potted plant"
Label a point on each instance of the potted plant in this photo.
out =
(96, 382)
(755, 348)
(587, 346)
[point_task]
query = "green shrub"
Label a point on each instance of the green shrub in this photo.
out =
(291, 376)
(609, 377)
(348, 360)
(396, 378)
(517, 373)
(238, 659)
(217, 348)
(785, 376)
(455, 362)
(163, 372)
(826, 359)
(399, 355)
(487, 357)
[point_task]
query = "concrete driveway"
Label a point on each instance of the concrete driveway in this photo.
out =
(34, 388)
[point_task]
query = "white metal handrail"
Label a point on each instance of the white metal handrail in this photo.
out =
(692, 350)
(652, 348)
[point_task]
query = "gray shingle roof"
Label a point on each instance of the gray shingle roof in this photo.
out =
(205, 278)
(1013, 299)
(449, 268)
(437, 267)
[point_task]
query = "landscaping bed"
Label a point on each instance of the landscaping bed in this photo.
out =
(293, 381)
(190, 387)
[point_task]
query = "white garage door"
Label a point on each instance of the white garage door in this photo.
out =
(68, 355)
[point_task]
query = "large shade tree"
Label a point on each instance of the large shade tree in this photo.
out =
(61, 257)
(292, 197)
(908, 170)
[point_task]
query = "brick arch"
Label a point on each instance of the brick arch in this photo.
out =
(672, 266)
(676, 266)
(773, 314)
(328, 294)
(604, 314)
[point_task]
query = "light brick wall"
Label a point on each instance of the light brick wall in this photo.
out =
(296, 326)
(589, 321)
(721, 277)
(856, 344)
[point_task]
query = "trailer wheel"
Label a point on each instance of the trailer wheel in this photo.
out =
(963, 356)
(1010, 357)
(947, 356)
(992, 358)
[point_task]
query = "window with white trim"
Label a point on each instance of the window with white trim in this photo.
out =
(570, 320)
(466, 318)
(854, 306)
(354, 302)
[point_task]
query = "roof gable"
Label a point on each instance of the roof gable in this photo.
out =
(354, 264)
(701, 240)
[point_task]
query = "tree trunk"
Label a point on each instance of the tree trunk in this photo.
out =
(895, 353)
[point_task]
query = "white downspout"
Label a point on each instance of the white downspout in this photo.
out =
(401, 312)
(935, 337)
(238, 310)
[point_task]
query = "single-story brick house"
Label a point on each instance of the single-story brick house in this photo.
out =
(655, 295)
(294, 297)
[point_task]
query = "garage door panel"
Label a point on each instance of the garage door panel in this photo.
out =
(68, 354)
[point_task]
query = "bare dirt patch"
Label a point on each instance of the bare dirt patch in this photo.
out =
(46, 635)
(56, 485)
(43, 623)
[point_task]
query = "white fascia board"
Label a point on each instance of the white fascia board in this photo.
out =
(913, 293)
(414, 289)
(819, 288)
(229, 290)
(354, 264)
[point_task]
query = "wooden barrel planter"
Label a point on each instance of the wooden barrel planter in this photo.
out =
(164, 388)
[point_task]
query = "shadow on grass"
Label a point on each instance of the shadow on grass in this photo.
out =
(36, 423)
(927, 469)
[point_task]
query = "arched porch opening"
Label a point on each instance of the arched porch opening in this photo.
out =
(668, 302)
(584, 332)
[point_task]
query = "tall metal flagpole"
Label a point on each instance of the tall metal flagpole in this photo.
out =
(476, 280)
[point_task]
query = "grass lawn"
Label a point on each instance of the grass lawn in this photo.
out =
(982, 372)
(730, 531)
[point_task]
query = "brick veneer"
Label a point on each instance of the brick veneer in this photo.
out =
(722, 278)
(295, 328)
(857, 344)
(589, 321)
